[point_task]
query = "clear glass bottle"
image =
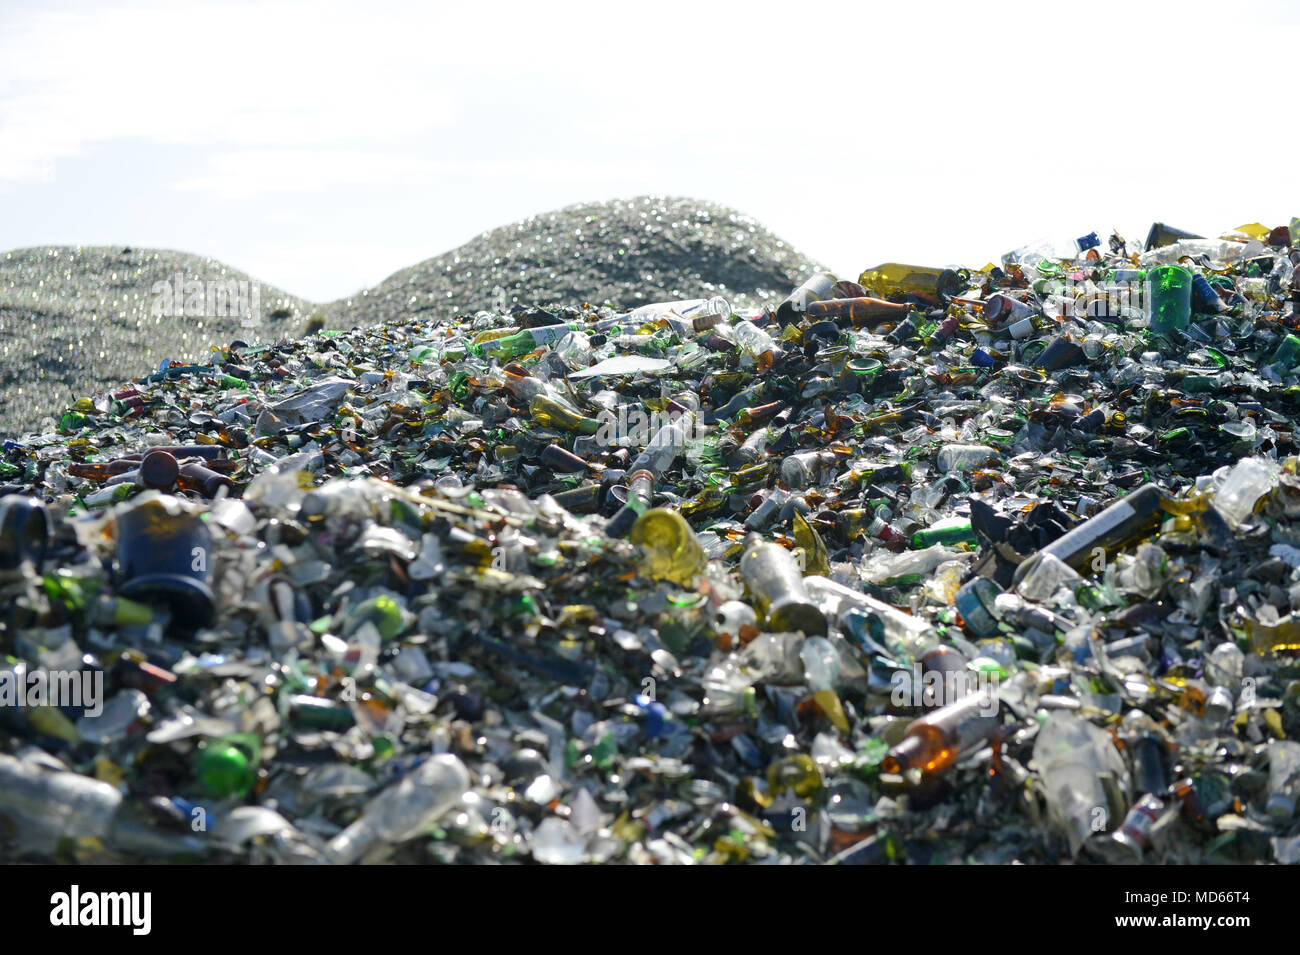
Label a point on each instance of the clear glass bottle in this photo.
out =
(772, 576)
(402, 810)
(819, 286)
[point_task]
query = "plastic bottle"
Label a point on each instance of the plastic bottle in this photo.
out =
(401, 811)
(777, 585)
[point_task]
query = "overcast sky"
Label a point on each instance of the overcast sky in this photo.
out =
(322, 146)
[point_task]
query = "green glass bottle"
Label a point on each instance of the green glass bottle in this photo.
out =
(953, 530)
(1169, 298)
(314, 713)
(71, 421)
(522, 342)
(1288, 352)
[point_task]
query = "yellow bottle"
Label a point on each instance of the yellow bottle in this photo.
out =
(893, 278)
(549, 413)
(810, 551)
(669, 548)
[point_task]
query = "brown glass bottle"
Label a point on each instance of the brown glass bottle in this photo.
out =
(203, 480)
(101, 471)
(182, 451)
(936, 741)
(159, 470)
(859, 311)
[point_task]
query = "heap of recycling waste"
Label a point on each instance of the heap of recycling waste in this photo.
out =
(937, 566)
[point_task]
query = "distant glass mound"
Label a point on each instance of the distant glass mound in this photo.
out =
(626, 252)
(82, 321)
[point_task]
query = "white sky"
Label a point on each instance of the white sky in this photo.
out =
(322, 146)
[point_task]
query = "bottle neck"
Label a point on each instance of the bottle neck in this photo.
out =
(903, 757)
(353, 842)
